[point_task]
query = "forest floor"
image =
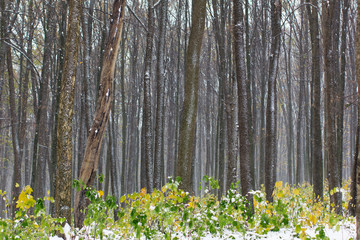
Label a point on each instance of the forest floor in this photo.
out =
(344, 231)
(172, 214)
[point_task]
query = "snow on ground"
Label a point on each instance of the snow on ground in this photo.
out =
(346, 231)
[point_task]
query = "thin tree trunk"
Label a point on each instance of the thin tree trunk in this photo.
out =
(147, 160)
(14, 133)
(357, 160)
(341, 91)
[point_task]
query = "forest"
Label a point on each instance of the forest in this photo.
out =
(106, 104)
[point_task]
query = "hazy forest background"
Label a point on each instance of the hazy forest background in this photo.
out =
(288, 113)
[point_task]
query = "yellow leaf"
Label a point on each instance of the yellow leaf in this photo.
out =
(296, 191)
(143, 192)
(279, 184)
(100, 192)
(191, 203)
(25, 200)
(17, 185)
(280, 194)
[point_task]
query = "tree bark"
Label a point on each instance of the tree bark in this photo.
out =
(316, 139)
(160, 112)
(239, 52)
(102, 113)
(271, 108)
(65, 115)
(14, 133)
(147, 160)
(330, 30)
(42, 127)
(188, 119)
(357, 164)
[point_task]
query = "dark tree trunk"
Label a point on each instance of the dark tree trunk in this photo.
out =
(42, 128)
(219, 22)
(316, 139)
(331, 20)
(239, 52)
(271, 109)
(14, 133)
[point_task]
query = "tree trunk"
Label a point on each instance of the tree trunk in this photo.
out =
(219, 25)
(14, 133)
(341, 91)
(299, 129)
(102, 113)
(188, 119)
(65, 115)
(160, 112)
(42, 128)
(239, 52)
(357, 160)
(147, 160)
(263, 90)
(316, 139)
(271, 112)
(330, 30)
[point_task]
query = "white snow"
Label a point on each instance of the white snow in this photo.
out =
(345, 231)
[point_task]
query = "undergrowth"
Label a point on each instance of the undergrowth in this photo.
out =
(171, 213)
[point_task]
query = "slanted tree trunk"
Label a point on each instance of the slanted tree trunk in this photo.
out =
(239, 52)
(65, 115)
(188, 119)
(102, 113)
(271, 108)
